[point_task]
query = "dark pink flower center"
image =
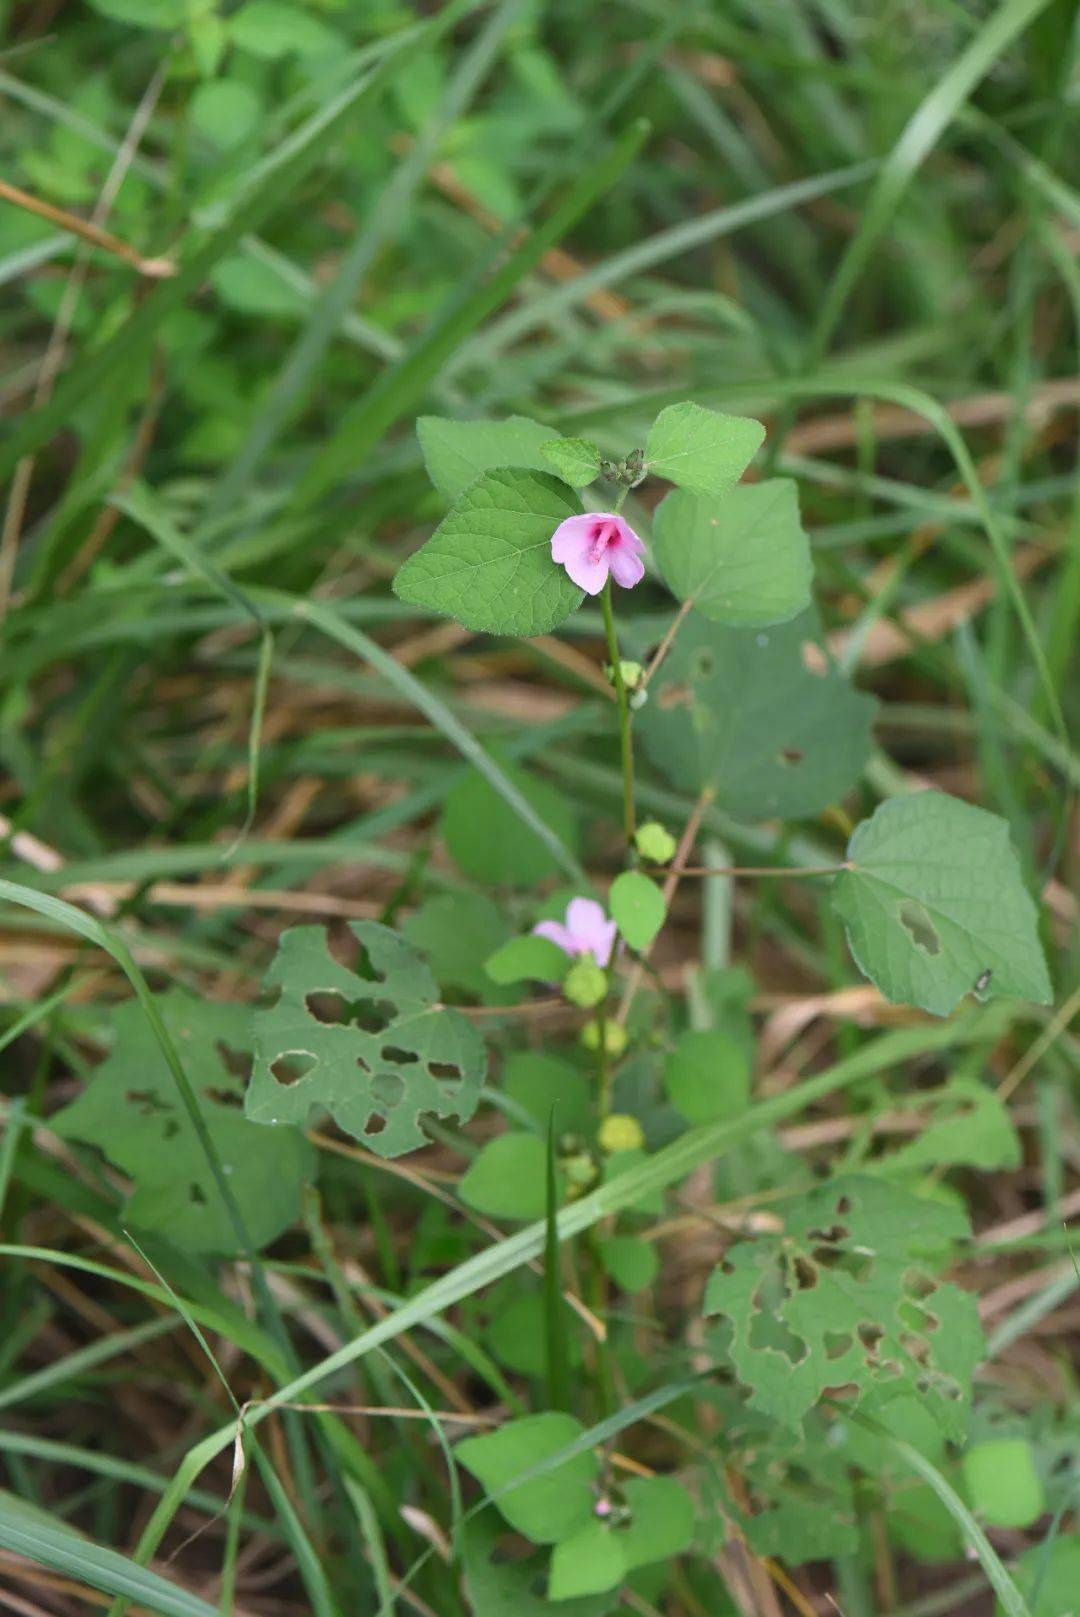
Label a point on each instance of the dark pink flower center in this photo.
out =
(603, 535)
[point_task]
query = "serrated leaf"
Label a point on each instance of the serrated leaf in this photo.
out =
(370, 1045)
(844, 1297)
(935, 901)
(761, 715)
(743, 560)
(528, 959)
(456, 453)
(576, 460)
(707, 1076)
(488, 564)
(637, 908)
(131, 1110)
(507, 1176)
(702, 450)
(554, 1504)
(491, 843)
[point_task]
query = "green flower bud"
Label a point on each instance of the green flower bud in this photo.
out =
(620, 1132)
(614, 1037)
(654, 843)
(585, 984)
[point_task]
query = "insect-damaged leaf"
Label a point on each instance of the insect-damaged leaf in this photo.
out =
(761, 715)
(935, 905)
(845, 1297)
(133, 1112)
(370, 1043)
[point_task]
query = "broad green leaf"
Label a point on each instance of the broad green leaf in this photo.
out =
(967, 1126)
(516, 1334)
(500, 1587)
(528, 959)
(456, 933)
(251, 287)
(368, 1044)
(272, 29)
(543, 1085)
(637, 908)
(132, 1111)
(844, 1296)
(492, 844)
(1002, 1483)
(488, 564)
(707, 1076)
(935, 906)
(761, 715)
(743, 560)
(660, 1526)
(225, 111)
(702, 450)
(1048, 1576)
(143, 13)
(589, 1563)
(456, 453)
(552, 1505)
(506, 1178)
(631, 1263)
(576, 460)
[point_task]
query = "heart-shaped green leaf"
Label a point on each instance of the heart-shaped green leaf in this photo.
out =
(702, 450)
(456, 453)
(743, 560)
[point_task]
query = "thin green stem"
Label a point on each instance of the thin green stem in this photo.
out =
(626, 744)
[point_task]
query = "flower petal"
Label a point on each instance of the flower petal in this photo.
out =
(592, 932)
(627, 567)
(571, 546)
(558, 934)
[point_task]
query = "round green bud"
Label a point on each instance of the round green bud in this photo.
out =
(614, 1037)
(586, 983)
(654, 843)
(620, 1132)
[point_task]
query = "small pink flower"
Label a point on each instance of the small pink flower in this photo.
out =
(596, 544)
(587, 931)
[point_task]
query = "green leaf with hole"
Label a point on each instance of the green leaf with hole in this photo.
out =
(553, 1504)
(576, 460)
(131, 1110)
(456, 453)
(366, 1042)
(743, 560)
(702, 450)
(846, 1296)
(707, 1076)
(1002, 1482)
(637, 908)
(492, 844)
(763, 716)
(935, 906)
(506, 1178)
(488, 564)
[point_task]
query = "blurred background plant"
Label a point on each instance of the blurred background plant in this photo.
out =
(243, 247)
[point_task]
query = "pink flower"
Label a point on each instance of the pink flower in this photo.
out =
(587, 930)
(596, 544)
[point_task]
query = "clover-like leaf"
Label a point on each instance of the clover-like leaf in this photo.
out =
(845, 1297)
(702, 450)
(501, 1587)
(488, 564)
(558, 1500)
(369, 1043)
(456, 453)
(133, 1112)
(935, 905)
(658, 1526)
(761, 715)
(743, 560)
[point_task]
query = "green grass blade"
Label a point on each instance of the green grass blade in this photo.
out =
(555, 1333)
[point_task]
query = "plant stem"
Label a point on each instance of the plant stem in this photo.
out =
(625, 741)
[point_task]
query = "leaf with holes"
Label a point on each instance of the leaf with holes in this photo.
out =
(456, 453)
(131, 1110)
(702, 450)
(935, 906)
(743, 560)
(761, 715)
(845, 1297)
(368, 1043)
(488, 564)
